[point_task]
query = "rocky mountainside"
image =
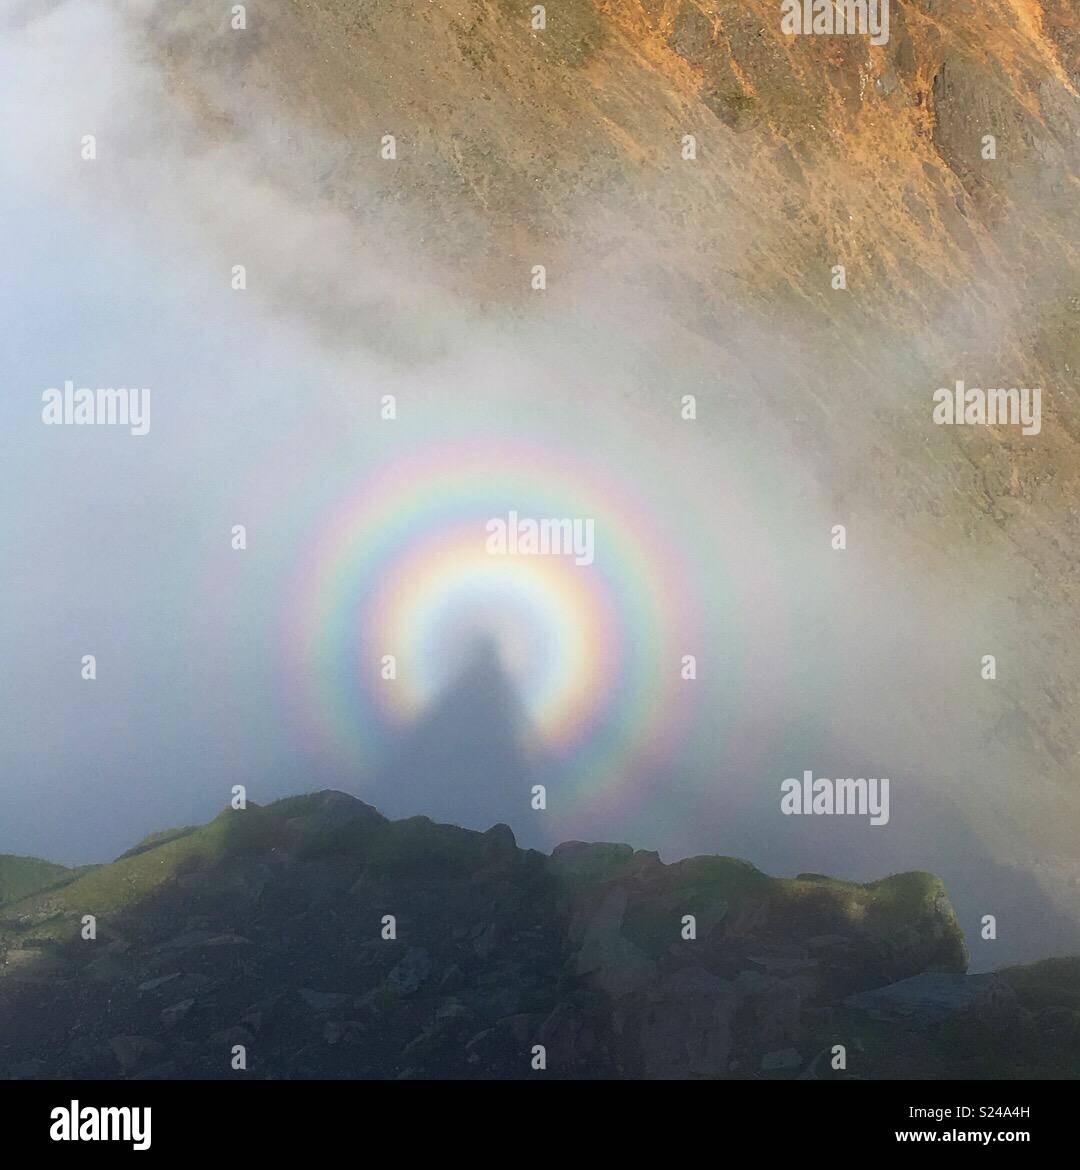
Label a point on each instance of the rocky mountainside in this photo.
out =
(669, 274)
(320, 939)
(564, 146)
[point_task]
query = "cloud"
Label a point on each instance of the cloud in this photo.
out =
(266, 413)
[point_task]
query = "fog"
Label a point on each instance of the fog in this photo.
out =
(265, 411)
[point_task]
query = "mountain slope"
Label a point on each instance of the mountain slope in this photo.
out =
(565, 147)
(267, 929)
(23, 876)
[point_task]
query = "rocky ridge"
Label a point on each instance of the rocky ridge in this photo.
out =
(265, 931)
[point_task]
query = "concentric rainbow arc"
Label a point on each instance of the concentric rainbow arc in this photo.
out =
(401, 568)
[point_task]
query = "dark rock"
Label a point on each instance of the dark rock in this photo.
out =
(785, 1059)
(131, 1051)
(411, 973)
(582, 953)
(343, 1032)
(172, 1015)
(159, 982)
(930, 997)
(322, 1003)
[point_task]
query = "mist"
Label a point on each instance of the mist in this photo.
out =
(265, 411)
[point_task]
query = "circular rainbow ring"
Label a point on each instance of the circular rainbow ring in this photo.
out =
(402, 568)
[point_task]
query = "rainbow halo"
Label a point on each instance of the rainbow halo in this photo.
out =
(403, 569)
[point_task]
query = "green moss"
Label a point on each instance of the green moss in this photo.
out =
(707, 887)
(907, 894)
(903, 896)
(107, 889)
(419, 844)
(721, 877)
(23, 876)
(155, 839)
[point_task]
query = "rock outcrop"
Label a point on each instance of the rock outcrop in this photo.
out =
(315, 938)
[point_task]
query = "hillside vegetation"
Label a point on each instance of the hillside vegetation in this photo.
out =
(268, 928)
